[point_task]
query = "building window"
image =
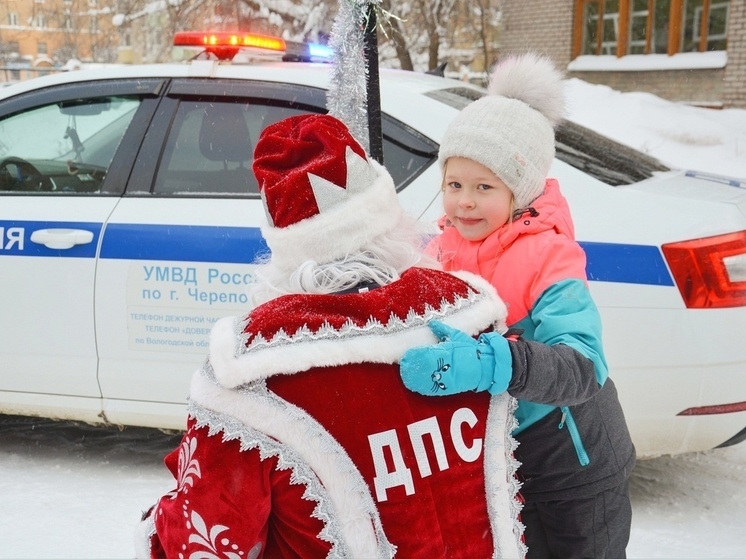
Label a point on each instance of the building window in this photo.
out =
(622, 27)
(708, 32)
(13, 19)
(601, 26)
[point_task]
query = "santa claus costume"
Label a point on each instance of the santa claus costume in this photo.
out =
(301, 439)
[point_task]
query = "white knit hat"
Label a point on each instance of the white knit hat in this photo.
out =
(511, 130)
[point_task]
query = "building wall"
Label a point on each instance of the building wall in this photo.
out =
(98, 33)
(697, 87)
(543, 26)
(528, 25)
(89, 35)
(734, 81)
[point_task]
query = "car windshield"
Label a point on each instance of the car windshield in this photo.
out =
(68, 131)
(594, 154)
(71, 148)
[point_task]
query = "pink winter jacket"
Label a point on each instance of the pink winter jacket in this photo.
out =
(522, 258)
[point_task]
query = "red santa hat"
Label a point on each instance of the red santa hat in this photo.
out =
(323, 197)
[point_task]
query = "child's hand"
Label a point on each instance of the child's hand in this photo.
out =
(459, 363)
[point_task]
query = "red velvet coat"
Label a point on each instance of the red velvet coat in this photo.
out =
(303, 442)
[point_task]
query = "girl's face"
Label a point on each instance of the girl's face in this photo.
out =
(476, 202)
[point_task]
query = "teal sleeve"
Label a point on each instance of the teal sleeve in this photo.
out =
(566, 314)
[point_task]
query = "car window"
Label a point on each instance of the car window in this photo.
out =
(456, 97)
(406, 152)
(603, 158)
(578, 146)
(210, 147)
(64, 147)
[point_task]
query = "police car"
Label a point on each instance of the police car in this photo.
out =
(129, 221)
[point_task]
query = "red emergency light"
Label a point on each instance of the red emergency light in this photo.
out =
(225, 45)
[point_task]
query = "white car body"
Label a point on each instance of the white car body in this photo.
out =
(113, 334)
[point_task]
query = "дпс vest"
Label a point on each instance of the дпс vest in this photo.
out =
(303, 441)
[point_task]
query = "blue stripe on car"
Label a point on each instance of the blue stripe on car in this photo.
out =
(612, 262)
(183, 243)
(620, 263)
(15, 239)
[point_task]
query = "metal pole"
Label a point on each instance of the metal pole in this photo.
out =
(375, 134)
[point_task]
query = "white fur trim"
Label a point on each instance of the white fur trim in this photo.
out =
(341, 230)
(499, 320)
(374, 344)
(143, 534)
(501, 484)
(347, 489)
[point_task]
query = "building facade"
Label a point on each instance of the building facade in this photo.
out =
(39, 34)
(691, 51)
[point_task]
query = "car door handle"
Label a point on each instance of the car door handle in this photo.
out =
(60, 239)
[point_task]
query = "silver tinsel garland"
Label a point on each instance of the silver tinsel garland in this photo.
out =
(347, 96)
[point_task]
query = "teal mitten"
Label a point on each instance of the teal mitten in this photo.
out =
(459, 363)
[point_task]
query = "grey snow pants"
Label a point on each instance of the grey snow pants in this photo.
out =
(594, 528)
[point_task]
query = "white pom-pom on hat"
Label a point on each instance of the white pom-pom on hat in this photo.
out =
(511, 130)
(533, 79)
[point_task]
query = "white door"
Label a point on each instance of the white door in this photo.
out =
(176, 254)
(55, 156)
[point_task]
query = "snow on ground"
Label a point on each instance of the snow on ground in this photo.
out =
(77, 492)
(690, 506)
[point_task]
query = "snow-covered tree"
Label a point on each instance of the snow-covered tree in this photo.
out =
(412, 34)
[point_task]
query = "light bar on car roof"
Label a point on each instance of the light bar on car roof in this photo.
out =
(307, 52)
(225, 45)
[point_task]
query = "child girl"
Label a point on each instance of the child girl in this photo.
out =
(507, 222)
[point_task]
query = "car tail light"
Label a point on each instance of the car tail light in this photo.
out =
(710, 272)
